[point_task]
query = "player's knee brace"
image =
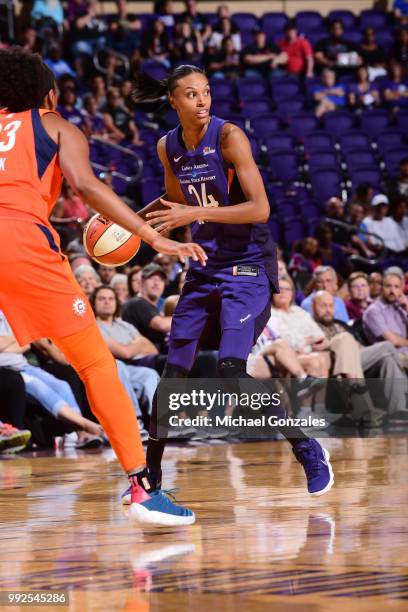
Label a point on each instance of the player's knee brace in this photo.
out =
(231, 367)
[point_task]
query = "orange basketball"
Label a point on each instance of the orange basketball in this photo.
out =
(108, 243)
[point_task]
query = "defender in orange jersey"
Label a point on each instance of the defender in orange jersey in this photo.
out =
(38, 292)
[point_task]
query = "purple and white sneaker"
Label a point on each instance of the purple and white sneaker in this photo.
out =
(316, 462)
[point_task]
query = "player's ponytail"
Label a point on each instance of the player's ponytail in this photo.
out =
(149, 89)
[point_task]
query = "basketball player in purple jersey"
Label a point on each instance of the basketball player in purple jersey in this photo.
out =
(213, 184)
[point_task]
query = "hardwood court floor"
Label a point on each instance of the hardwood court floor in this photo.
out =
(260, 542)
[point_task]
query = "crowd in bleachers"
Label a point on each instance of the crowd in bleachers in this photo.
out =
(324, 102)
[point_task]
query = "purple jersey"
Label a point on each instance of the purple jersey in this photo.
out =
(206, 179)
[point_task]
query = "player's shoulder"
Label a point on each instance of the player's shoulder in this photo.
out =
(231, 134)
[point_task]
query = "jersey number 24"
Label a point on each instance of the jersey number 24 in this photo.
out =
(204, 200)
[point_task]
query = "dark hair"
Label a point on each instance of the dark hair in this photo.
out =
(25, 80)
(148, 89)
(354, 276)
(131, 274)
(94, 295)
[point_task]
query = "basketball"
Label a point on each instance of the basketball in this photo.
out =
(108, 243)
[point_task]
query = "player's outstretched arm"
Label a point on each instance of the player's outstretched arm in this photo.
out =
(237, 151)
(75, 165)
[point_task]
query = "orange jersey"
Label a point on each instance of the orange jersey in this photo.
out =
(30, 176)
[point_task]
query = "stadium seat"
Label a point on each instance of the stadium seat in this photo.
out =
(325, 182)
(315, 36)
(303, 124)
(274, 22)
(150, 189)
(221, 89)
(280, 141)
(252, 88)
(359, 157)
(389, 139)
(353, 139)
(309, 20)
(374, 121)
(402, 121)
(317, 140)
(354, 36)
(286, 87)
(393, 157)
(347, 18)
(265, 124)
(245, 22)
(256, 106)
(372, 18)
(365, 174)
(284, 165)
(338, 122)
(289, 107)
(322, 158)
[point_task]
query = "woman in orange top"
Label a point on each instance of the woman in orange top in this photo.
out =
(38, 292)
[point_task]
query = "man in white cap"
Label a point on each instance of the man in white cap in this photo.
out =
(380, 225)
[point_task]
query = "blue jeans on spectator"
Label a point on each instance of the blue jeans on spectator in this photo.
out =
(51, 392)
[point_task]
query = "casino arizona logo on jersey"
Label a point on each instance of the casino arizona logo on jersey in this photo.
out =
(208, 150)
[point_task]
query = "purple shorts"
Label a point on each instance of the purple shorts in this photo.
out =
(208, 307)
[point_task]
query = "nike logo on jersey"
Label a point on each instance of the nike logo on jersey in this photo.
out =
(244, 318)
(176, 159)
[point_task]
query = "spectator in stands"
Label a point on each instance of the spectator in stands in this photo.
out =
(401, 11)
(142, 311)
(119, 284)
(298, 50)
(399, 214)
(328, 96)
(400, 51)
(172, 268)
(224, 28)
(88, 30)
(78, 259)
(387, 317)
(134, 281)
(375, 282)
(396, 89)
(398, 186)
(124, 30)
(125, 342)
(331, 254)
(372, 55)
(306, 256)
(53, 394)
(67, 107)
(350, 241)
(187, 43)
(359, 292)
(156, 45)
(335, 52)
(87, 278)
(106, 273)
(262, 58)
(72, 206)
(226, 62)
(363, 94)
(296, 327)
(93, 121)
(363, 195)
(98, 90)
(29, 40)
(56, 63)
(118, 120)
(352, 361)
(197, 20)
(380, 225)
(164, 10)
(325, 279)
(44, 11)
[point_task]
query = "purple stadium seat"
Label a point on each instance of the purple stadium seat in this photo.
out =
(315, 36)
(221, 89)
(293, 231)
(374, 121)
(303, 124)
(371, 18)
(309, 20)
(310, 85)
(317, 140)
(280, 140)
(222, 108)
(274, 22)
(256, 106)
(311, 224)
(338, 122)
(389, 139)
(212, 19)
(402, 121)
(359, 157)
(245, 22)
(256, 149)
(287, 87)
(352, 140)
(346, 17)
(284, 165)
(251, 88)
(298, 193)
(393, 157)
(366, 174)
(353, 36)
(325, 183)
(290, 107)
(154, 69)
(285, 208)
(265, 124)
(308, 211)
(150, 189)
(323, 158)
(385, 37)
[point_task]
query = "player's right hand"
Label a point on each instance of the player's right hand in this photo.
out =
(182, 250)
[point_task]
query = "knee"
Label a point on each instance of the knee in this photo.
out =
(231, 367)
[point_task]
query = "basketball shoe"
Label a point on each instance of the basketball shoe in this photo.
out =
(154, 507)
(12, 439)
(316, 462)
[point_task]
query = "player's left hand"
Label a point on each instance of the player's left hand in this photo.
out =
(175, 215)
